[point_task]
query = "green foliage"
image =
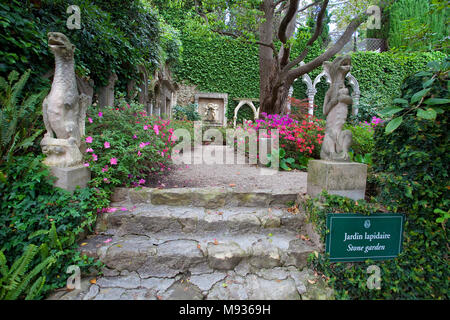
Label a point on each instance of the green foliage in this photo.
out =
(283, 161)
(115, 36)
(29, 203)
(386, 72)
(420, 272)
(363, 141)
(411, 172)
(189, 113)
(418, 25)
(424, 94)
(20, 40)
(18, 116)
(220, 64)
(370, 105)
(19, 280)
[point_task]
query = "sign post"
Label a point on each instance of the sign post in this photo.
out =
(357, 237)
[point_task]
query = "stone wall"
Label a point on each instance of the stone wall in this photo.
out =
(186, 94)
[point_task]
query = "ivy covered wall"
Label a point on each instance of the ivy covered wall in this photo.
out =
(224, 65)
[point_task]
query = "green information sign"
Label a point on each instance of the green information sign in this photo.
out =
(357, 237)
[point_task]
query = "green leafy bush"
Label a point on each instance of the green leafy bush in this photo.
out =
(189, 113)
(29, 203)
(126, 147)
(411, 172)
(420, 272)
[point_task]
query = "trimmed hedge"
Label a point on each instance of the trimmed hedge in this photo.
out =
(222, 64)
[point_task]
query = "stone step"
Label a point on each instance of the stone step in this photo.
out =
(245, 283)
(150, 220)
(210, 198)
(169, 255)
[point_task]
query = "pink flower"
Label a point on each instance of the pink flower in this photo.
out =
(139, 154)
(105, 179)
(100, 114)
(105, 169)
(89, 150)
(111, 210)
(113, 161)
(95, 157)
(142, 181)
(89, 139)
(90, 120)
(145, 127)
(107, 241)
(155, 128)
(135, 137)
(142, 145)
(107, 145)
(123, 209)
(86, 164)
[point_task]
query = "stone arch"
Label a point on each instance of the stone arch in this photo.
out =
(356, 94)
(240, 105)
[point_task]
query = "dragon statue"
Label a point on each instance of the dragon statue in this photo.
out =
(64, 109)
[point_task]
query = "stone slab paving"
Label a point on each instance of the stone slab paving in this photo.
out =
(243, 177)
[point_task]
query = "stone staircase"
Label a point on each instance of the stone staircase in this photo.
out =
(208, 243)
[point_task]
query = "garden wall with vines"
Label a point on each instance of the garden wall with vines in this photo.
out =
(222, 64)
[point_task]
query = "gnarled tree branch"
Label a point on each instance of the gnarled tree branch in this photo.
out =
(290, 14)
(346, 36)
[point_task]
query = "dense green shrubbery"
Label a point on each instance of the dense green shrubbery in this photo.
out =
(28, 201)
(189, 113)
(115, 37)
(411, 166)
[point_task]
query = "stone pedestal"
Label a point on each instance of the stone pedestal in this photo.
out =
(70, 178)
(346, 179)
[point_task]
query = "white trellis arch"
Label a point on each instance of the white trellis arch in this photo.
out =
(312, 89)
(243, 102)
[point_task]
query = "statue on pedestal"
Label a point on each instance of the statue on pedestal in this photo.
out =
(337, 142)
(64, 109)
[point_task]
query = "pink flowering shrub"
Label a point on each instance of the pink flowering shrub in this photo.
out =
(297, 138)
(125, 147)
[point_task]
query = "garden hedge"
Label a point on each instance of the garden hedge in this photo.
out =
(222, 64)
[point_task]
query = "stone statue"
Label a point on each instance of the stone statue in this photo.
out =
(210, 112)
(337, 142)
(64, 109)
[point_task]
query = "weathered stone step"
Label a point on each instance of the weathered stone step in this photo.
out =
(170, 255)
(245, 283)
(150, 220)
(210, 198)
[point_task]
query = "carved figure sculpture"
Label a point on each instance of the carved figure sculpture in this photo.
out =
(211, 111)
(64, 110)
(337, 142)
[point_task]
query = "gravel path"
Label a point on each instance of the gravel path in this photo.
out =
(240, 176)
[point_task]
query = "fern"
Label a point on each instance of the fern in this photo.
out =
(16, 281)
(17, 116)
(35, 289)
